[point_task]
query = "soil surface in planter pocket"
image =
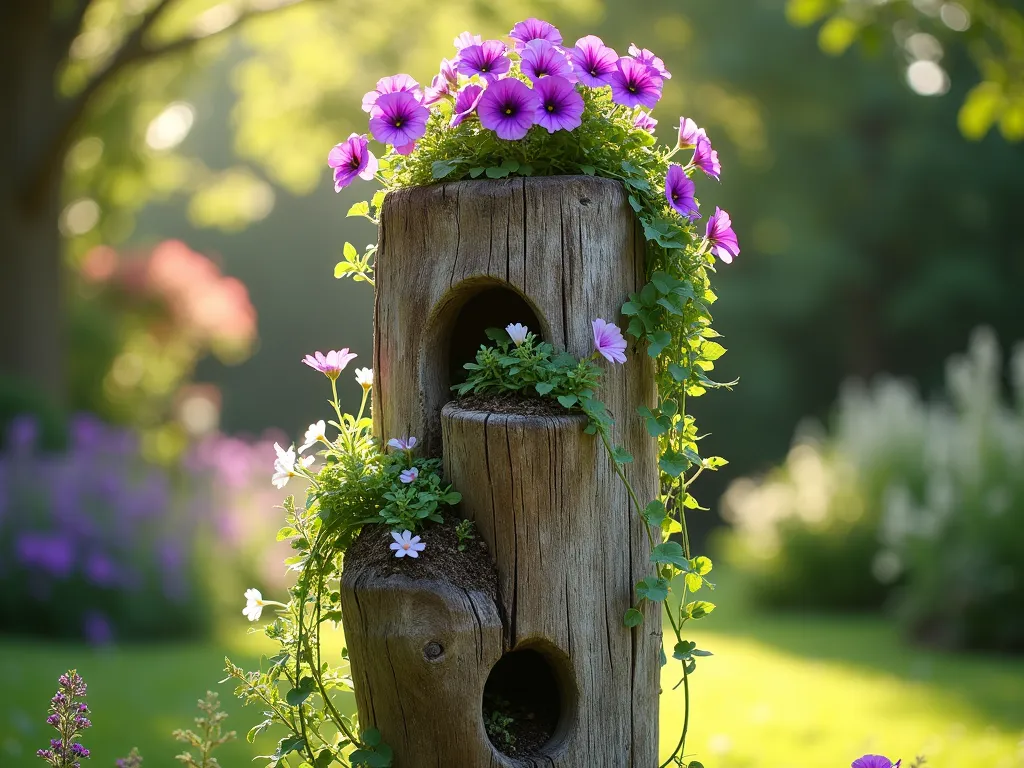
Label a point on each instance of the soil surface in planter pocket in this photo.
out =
(470, 569)
(514, 403)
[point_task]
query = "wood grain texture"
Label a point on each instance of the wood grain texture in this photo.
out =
(567, 542)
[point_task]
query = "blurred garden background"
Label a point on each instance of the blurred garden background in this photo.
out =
(168, 230)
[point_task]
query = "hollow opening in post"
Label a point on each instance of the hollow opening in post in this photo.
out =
(529, 702)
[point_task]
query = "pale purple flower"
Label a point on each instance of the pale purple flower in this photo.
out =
(593, 61)
(706, 158)
(466, 39)
(608, 341)
(350, 160)
(542, 59)
(644, 122)
(874, 761)
(689, 132)
(330, 365)
(392, 84)
(508, 108)
(398, 119)
(679, 191)
(402, 443)
(442, 83)
(635, 84)
(409, 475)
(406, 545)
(465, 102)
(534, 29)
(517, 332)
(720, 235)
(560, 106)
(488, 60)
(406, 149)
(645, 56)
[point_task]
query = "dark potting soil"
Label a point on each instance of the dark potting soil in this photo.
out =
(470, 569)
(529, 730)
(510, 402)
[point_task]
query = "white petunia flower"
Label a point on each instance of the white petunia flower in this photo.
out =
(364, 378)
(406, 545)
(285, 467)
(409, 475)
(316, 433)
(253, 605)
(518, 332)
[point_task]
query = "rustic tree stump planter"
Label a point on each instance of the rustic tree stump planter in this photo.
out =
(568, 546)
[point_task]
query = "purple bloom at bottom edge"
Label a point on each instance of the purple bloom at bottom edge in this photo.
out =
(874, 761)
(508, 108)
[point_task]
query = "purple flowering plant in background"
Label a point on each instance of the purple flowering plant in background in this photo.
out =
(69, 717)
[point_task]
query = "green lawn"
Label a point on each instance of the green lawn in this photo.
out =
(780, 692)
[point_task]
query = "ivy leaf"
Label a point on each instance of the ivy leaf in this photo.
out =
(653, 588)
(678, 373)
(296, 696)
(359, 209)
(440, 169)
(543, 387)
(620, 455)
(711, 350)
(510, 165)
(287, 745)
(568, 401)
(496, 173)
(475, 173)
(654, 513)
(323, 759)
(658, 341)
(701, 565)
(631, 307)
(694, 582)
(673, 463)
(370, 737)
(670, 553)
(588, 169)
(635, 204)
(633, 618)
(683, 650)
(698, 609)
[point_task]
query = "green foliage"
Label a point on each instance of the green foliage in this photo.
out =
(498, 726)
(409, 505)
(465, 532)
(208, 735)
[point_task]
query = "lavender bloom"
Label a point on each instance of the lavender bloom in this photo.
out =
(22, 433)
(398, 118)
(394, 84)
(443, 82)
(560, 107)
(487, 59)
(409, 475)
(679, 191)
(350, 160)
(534, 29)
(720, 235)
(97, 629)
(542, 59)
(330, 365)
(645, 56)
(466, 39)
(53, 553)
(689, 132)
(508, 108)
(644, 122)
(517, 332)
(402, 443)
(68, 718)
(635, 84)
(465, 102)
(608, 341)
(406, 545)
(874, 761)
(593, 61)
(706, 158)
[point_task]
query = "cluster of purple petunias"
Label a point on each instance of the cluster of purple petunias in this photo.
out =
(532, 81)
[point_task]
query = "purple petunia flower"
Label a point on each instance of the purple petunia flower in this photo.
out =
(442, 83)
(398, 119)
(689, 132)
(542, 59)
(644, 122)
(466, 39)
(560, 107)
(402, 443)
(593, 61)
(706, 158)
(608, 341)
(465, 102)
(721, 236)
(350, 160)
(392, 84)
(874, 761)
(330, 365)
(534, 29)
(645, 56)
(679, 191)
(487, 59)
(635, 84)
(508, 108)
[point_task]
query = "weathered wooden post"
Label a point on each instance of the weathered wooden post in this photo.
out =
(568, 545)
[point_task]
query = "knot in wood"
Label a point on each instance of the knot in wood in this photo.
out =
(433, 651)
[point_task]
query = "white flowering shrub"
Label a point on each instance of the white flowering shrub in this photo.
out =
(906, 502)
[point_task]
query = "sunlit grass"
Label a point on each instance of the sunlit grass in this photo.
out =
(780, 692)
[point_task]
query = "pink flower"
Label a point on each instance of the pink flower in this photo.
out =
(406, 545)
(409, 475)
(647, 57)
(351, 159)
(644, 122)
(874, 761)
(706, 158)
(689, 132)
(392, 84)
(402, 443)
(608, 341)
(330, 365)
(721, 237)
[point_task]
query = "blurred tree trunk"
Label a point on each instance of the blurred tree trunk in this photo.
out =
(31, 49)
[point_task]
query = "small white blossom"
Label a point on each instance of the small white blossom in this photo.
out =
(518, 332)
(253, 605)
(364, 378)
(406, 545)
(285, 467)
(409, 475)
(316, 433)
